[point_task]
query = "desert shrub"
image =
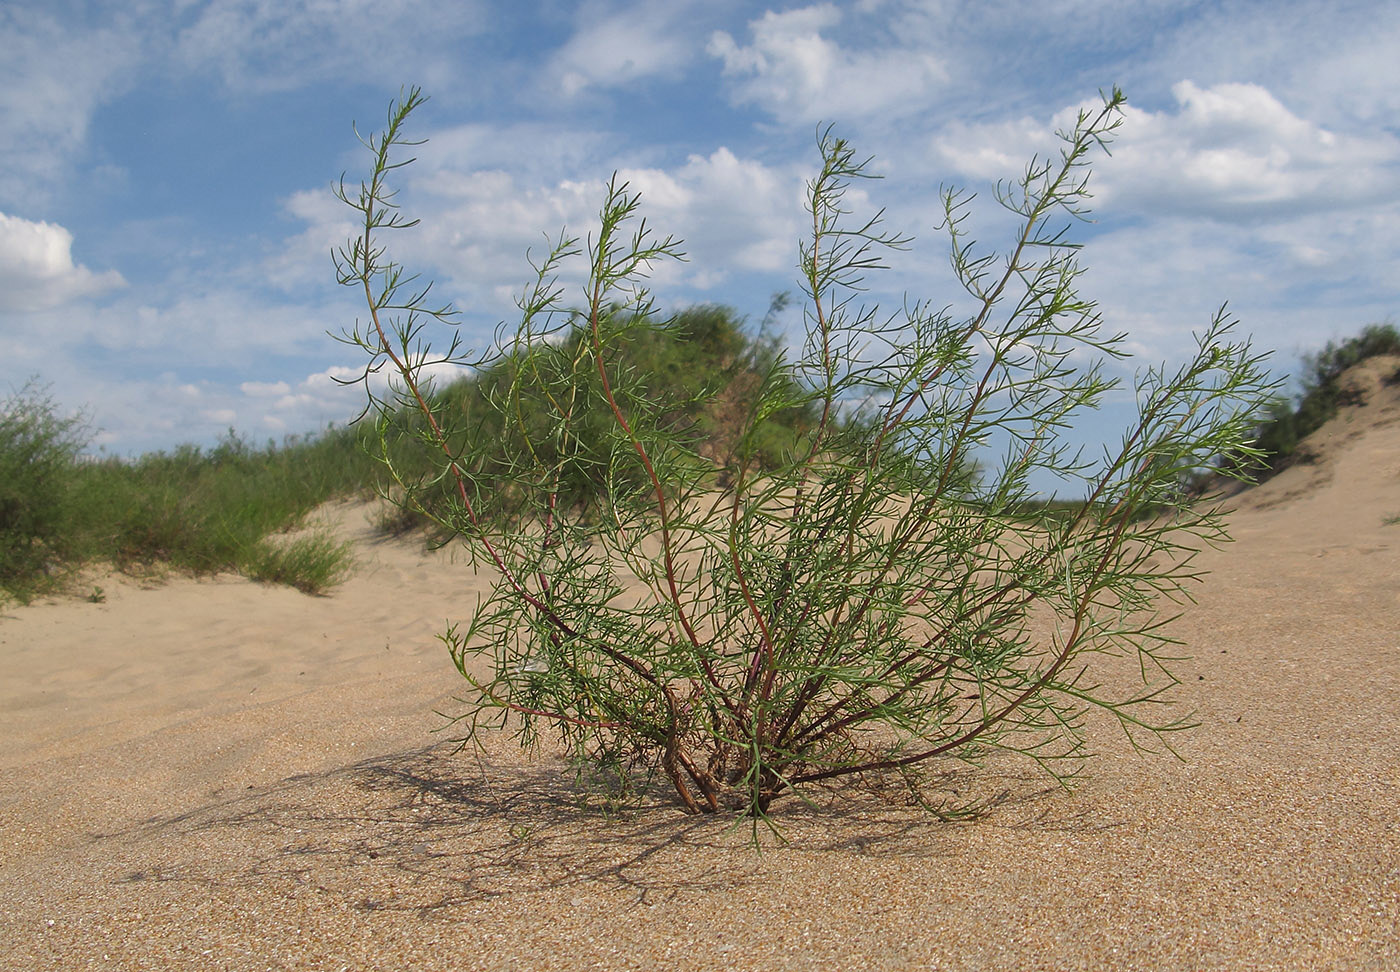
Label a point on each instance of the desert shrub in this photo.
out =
(312, 564)
(38, 453)
(879, 595)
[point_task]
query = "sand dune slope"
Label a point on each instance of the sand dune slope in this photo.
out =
(220, 775)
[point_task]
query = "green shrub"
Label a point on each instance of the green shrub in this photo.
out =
(1290, 421)
(697, 369)
(38, 454)
(205, 511)
(312, 564)
(873, 596)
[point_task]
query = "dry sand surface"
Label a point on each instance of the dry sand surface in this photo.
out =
(220, 775)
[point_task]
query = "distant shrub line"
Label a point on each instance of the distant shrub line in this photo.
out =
(202, 511)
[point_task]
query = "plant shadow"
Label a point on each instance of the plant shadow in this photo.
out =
(431, 831)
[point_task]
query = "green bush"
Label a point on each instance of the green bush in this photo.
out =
(871, 596)
(312, 564)
(1290, 421)
(697, 369)
(38, 454)
(205, 511)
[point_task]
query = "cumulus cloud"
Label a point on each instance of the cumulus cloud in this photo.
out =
(482, 225)
(1228, 194)
(37, 271)
(796, 73)
(735, 215)
(334, 394)
(486, 194)
(303, 259)
(1230, 151)
(1234, 148)
(1328, 61)
(222, 327)
(1293, 285)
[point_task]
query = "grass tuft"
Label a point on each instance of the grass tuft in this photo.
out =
(312, 564)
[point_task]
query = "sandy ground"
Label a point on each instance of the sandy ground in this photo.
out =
(221, 775)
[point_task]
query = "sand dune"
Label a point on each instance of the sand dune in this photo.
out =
(216, 774)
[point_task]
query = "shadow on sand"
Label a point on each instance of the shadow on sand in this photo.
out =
(431, 831)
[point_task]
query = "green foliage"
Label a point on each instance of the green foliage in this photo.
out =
(195, 510)
(38, 451)
(865, 597)
(695, 370)
(205, 511)
(1290, 421)
(208, 510)
(312, 564)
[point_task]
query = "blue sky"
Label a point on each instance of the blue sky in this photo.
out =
(165, 168)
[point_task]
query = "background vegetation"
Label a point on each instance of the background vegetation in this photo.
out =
(194, 510)
(207, 510)
(1291, 420)
(698, 369)
(203, 511)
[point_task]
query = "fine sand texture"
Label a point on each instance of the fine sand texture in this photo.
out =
(216, 774)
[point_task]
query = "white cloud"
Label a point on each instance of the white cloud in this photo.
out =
(224, 326)
(482, 225)
(644, 41)
(735, 215)
(53, 76)
(305, 259)
(338, 393)
(485, 193)
(1231, 151)
(257, 45)
(1330, 61)
(1235, 149)
(796, 73)
(37, 271)
(135, 414)
(1227, 195)
(264, 389)
(992, 150)
(1294, 283)
(532, 150)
